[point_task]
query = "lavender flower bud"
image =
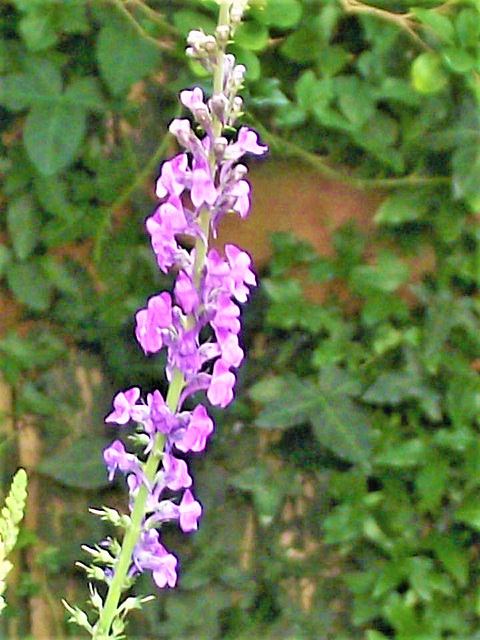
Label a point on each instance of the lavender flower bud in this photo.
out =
(219, 146)
(219, 104)
(238, 74)
(210, 45)
(202, 116)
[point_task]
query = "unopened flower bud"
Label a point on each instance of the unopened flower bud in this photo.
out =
(218, 103)
(238, 74)
(196, 38)
(210, 45)
(219, 146)
(202, 116)
(181, 129)
(240, 171)
(237, 104)
(222, 34)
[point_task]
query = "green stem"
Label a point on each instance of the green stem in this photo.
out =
(117, 586)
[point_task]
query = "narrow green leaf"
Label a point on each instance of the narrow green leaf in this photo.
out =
(469, 512)
(454, 558)
(403, 455)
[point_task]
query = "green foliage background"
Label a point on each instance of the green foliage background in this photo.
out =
(341, 491)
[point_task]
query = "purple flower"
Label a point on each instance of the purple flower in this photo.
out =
(123, 404)
(152, 321)
(185, 292)
(173, 176)
(203, 188)
(220, 391)
(176, 474)
(226, 315)
(116, 457)
(150, 554)
(161, 417)
(240, 271)
(246, 143)
(232, 354)
(200, 426)
(189, 512)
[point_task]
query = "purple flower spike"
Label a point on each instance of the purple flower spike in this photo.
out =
(199, 325)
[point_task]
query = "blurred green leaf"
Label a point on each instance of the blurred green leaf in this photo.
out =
(252, 35)
(79, 465)
(428, 75)
(339, 424)
(23, 223)
(436, 22)
(53, 135)
(29, 285)
(401, 207)
(124, 58)
(280, 13)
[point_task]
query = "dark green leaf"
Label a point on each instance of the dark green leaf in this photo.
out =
(339, 424)
(79, 465)
(53, 135)
(124, 58)
(29, 285)
(41, 85)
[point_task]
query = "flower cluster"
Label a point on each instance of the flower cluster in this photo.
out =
(199, 324)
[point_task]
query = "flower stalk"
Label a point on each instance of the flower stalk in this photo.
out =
(197, 188)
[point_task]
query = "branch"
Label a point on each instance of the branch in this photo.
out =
(402, 20)
(319, 163)
(138, 28)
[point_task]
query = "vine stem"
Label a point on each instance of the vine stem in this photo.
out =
(122, 565)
